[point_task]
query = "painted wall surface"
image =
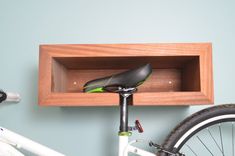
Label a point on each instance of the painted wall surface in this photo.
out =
(86, 131)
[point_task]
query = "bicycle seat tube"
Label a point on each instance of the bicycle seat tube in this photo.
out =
(125, 99)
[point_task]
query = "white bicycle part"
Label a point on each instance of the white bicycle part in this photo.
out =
(20, 142)
(8, 150)
(13, 97)
(125, 148)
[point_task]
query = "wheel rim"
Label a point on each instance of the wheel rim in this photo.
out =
(214, 136)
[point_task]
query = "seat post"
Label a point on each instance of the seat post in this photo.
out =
(125, 99)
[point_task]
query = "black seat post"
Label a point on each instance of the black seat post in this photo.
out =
(125, 99)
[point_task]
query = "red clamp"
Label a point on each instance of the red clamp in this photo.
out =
(138, 126)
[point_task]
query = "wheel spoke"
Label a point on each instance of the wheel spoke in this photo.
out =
(205, 145)
(191, 150)
(210, 132)
(214, 140)
(232, 140)
(221, 139)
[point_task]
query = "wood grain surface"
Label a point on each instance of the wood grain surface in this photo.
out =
(182, 73)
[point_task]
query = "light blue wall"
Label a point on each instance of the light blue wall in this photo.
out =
(85, 131)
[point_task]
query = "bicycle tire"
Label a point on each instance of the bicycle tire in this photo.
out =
(195, 123)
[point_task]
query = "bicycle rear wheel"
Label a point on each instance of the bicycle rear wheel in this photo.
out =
(208, 132)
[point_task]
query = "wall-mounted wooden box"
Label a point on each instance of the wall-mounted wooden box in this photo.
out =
(182, 73)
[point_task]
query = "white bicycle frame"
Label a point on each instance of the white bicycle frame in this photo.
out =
(10, 141)
(125, 147)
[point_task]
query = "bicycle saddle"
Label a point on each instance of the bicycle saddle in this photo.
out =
(127, 79)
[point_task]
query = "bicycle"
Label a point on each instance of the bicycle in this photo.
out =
(188, 138)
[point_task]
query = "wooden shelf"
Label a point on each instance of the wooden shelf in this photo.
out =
(182, 73)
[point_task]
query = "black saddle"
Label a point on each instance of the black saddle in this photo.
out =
(128, 79)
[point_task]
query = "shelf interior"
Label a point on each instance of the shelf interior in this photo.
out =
(170, 73)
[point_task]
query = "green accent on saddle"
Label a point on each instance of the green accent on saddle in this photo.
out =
(96, 90)
(139, 83)
(101, 89)
(124, 133)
